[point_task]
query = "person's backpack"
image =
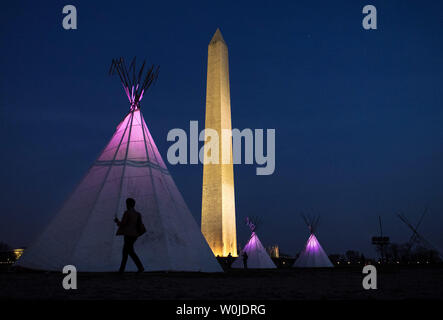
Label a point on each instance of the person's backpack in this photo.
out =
(141, 229)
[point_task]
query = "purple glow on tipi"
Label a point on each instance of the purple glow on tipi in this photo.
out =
(313, 244)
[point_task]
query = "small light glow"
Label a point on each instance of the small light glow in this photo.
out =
(18, 253)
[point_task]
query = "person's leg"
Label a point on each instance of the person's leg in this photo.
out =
(133, 255)
(124, 254)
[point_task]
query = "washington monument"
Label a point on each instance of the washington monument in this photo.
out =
(218, 201)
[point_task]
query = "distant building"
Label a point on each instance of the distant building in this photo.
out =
(273, 251)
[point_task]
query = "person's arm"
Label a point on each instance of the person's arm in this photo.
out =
(123, 222)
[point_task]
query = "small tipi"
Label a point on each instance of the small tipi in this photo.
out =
(258, 258)
(313, 255)
(83, 232)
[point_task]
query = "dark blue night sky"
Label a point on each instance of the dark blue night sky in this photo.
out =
(358, 114)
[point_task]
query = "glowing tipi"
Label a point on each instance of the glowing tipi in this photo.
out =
(83, 232)
(313, 255)
(258, 258)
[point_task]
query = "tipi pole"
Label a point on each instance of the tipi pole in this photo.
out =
(103, 183)
(152, 180)
(124, 163)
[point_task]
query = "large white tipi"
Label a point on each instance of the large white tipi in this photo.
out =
(83, 232)
(313, 255)
(258, 258)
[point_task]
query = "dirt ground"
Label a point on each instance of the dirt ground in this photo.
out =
(292, 284)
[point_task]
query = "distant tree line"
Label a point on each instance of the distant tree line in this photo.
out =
(406, 253)
(392, 253)
(350, 257)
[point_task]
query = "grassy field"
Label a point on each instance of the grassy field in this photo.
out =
(291, 284)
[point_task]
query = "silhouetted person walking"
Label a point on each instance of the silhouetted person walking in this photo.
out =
(131, 227)
(245, 260)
